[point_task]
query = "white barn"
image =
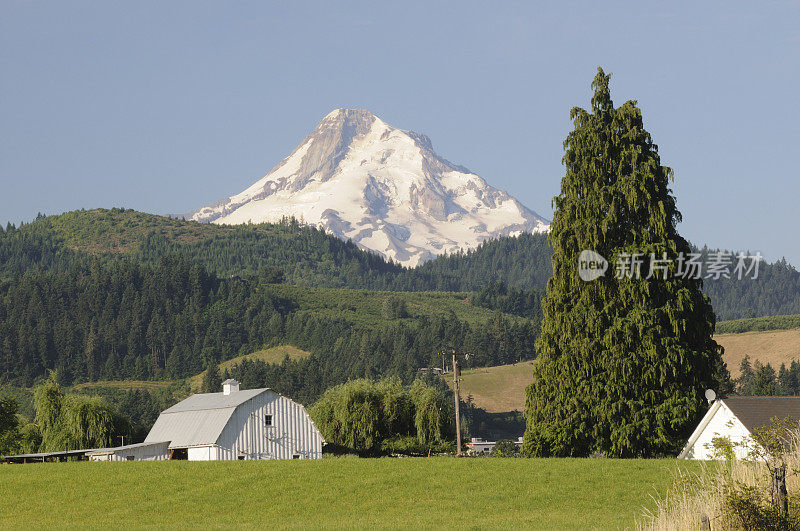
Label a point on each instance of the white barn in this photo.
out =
(735, 419)
(233, 424)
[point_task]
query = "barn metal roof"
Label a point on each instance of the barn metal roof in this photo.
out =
(198, 420)
(100, 451)
(203, 401)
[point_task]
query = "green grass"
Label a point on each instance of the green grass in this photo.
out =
(339, 493)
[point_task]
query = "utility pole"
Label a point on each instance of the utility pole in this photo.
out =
(458, 415)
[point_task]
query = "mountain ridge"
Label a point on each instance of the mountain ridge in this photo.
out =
(308, 256)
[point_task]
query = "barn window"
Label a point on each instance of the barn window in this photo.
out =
(296, 456)
(268, 420)
(129, 458)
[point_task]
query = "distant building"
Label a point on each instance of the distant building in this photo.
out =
(477, 446)
(735, 419)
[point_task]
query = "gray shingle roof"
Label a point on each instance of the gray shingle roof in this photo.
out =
(756, 411)
(198, 420)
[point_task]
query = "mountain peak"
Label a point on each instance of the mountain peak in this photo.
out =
(383, 188)
(344, 113)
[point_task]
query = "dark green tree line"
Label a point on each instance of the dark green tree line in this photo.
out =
(307, 256)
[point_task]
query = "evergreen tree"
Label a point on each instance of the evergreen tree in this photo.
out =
(746, 379)
(623, 362)
(212, 381)
(764, 381)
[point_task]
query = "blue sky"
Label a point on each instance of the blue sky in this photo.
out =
(167, 106)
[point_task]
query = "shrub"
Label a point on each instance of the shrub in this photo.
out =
(739, 494)
(505, 448)
(374, 417)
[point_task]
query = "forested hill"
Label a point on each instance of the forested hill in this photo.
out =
(309, 257)
(123, 320)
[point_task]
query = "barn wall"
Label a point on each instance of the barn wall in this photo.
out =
(723, 424)
(154, 452)
(292, 433)
(202, 453)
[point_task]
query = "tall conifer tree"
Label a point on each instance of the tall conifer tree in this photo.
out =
(623, 362)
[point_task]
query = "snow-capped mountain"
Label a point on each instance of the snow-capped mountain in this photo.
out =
(383, 188)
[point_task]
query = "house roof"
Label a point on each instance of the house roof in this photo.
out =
(757, 411)
(198, 420)
(752, 411)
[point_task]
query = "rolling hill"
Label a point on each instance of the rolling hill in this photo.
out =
(496, 389)
(307, 256)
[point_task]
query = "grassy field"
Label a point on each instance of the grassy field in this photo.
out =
(269, 355)
(339, 493)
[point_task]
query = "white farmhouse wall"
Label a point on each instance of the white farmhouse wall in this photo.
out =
(292, 434)
(723, 423)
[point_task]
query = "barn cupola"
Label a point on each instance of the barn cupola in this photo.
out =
(230, 386)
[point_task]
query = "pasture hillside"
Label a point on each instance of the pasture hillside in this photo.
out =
(502, 388)
(496, 389)
(337, 493)
(773, 347)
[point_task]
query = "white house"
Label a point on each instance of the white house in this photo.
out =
(233, 424)
(735, 419)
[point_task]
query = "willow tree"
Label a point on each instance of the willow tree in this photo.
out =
(623, 362)
(71, 422)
